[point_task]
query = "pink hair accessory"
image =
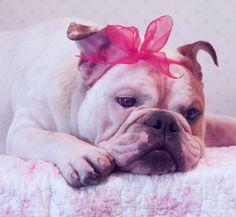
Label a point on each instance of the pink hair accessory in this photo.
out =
(125, 46)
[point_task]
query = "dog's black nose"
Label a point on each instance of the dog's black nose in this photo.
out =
(163, 122)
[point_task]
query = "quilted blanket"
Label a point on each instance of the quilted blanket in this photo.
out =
(36, 188)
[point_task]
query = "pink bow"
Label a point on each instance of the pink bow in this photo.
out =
(125, 46)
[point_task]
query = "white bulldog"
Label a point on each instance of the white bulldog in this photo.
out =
(87, 121)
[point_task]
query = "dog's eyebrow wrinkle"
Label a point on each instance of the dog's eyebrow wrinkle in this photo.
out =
(162, 91)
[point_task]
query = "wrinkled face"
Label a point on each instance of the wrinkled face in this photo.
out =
(149, 123)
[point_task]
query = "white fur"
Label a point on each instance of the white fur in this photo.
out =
(180, 92)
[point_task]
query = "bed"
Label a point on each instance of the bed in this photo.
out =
(36, 188)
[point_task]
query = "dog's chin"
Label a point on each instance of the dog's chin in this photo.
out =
(157, 162)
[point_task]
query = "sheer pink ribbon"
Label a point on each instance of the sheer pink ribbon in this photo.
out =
(125, 46)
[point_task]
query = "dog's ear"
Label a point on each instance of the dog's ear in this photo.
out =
(77, 31)
(190, 51)
(90, 40)
(220, 131)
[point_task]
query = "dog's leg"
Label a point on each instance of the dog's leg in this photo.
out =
(220, 130)
(79, 162)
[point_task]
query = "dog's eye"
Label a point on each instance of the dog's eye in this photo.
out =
(191, 114)
(126, 101)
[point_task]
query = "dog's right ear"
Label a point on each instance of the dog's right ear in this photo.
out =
(90, 40)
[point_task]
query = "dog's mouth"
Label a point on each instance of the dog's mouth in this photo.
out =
(160, 162)
(157, 162)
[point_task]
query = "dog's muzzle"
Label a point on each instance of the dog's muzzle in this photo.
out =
(166, 149)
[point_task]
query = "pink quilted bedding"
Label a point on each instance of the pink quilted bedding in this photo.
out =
(36, 188)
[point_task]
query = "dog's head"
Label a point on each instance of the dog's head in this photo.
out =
(149, 122)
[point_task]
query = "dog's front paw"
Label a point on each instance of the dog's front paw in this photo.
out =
(82, 168)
